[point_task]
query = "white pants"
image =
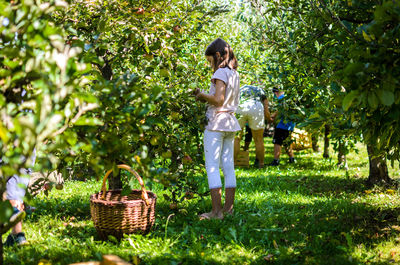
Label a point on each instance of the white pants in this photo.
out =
(252, 112)
(218, 150)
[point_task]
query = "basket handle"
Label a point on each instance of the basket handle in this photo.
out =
(145, 197)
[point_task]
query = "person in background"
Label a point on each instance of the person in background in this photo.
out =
(15, 192)
(253, 109)
(222, 102)
(16, 186)
(282, 131)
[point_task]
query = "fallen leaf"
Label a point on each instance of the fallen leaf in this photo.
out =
(275, 244)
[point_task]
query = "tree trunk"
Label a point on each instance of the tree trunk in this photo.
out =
(106, 70)
(378, 171)
(314, 142)
(326, 141)
(115, 183)
(342, 162)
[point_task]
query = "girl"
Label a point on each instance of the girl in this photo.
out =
(222, 100)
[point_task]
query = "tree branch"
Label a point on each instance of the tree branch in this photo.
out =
(82, 110)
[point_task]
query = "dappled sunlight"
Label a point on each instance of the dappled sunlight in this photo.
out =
(274, 210)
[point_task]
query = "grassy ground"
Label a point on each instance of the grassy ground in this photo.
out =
(307, 213)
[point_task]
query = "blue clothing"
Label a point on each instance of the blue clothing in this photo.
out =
(253, 93)
(282, 125)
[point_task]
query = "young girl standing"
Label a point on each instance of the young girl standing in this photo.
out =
(222, 100)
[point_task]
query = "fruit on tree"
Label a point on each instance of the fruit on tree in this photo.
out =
(154, 140)
(166, 154)
(173, 206)
(164, 72)
(140, 11)
(148, 57)
(47, 186)
(189, 195)
(175, 115)
(187, 160)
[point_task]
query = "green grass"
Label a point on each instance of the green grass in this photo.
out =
(307, 213)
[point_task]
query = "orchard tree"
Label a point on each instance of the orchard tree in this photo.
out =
(42, 85)
(346, 52)
(276, 31)
(148, 57)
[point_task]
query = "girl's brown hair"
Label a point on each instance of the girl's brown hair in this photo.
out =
(227, 57)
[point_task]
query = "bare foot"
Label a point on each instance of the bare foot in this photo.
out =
(211, 215)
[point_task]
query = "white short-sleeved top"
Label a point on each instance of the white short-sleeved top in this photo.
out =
(223, 118)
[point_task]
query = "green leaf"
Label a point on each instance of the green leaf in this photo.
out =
(386, 97)
(348, 99)
(126, 191)
(2, 100)
(354, 68)
(5, 211)
(314, 116)
(366, 37)
(373, 100)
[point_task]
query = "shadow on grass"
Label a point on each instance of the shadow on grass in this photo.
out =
(70, 252)
(325, 230)
(74, 206)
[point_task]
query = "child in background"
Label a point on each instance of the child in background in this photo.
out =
(15, 190)
(282, 131)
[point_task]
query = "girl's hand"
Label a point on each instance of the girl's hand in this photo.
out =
(195, 92)
(198, 95)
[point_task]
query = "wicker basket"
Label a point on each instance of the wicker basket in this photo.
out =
(114, 214)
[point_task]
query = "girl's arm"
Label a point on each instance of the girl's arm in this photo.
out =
(218, 98)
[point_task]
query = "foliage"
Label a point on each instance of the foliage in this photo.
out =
(40, 78)
(333, 59)
(144, 54)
